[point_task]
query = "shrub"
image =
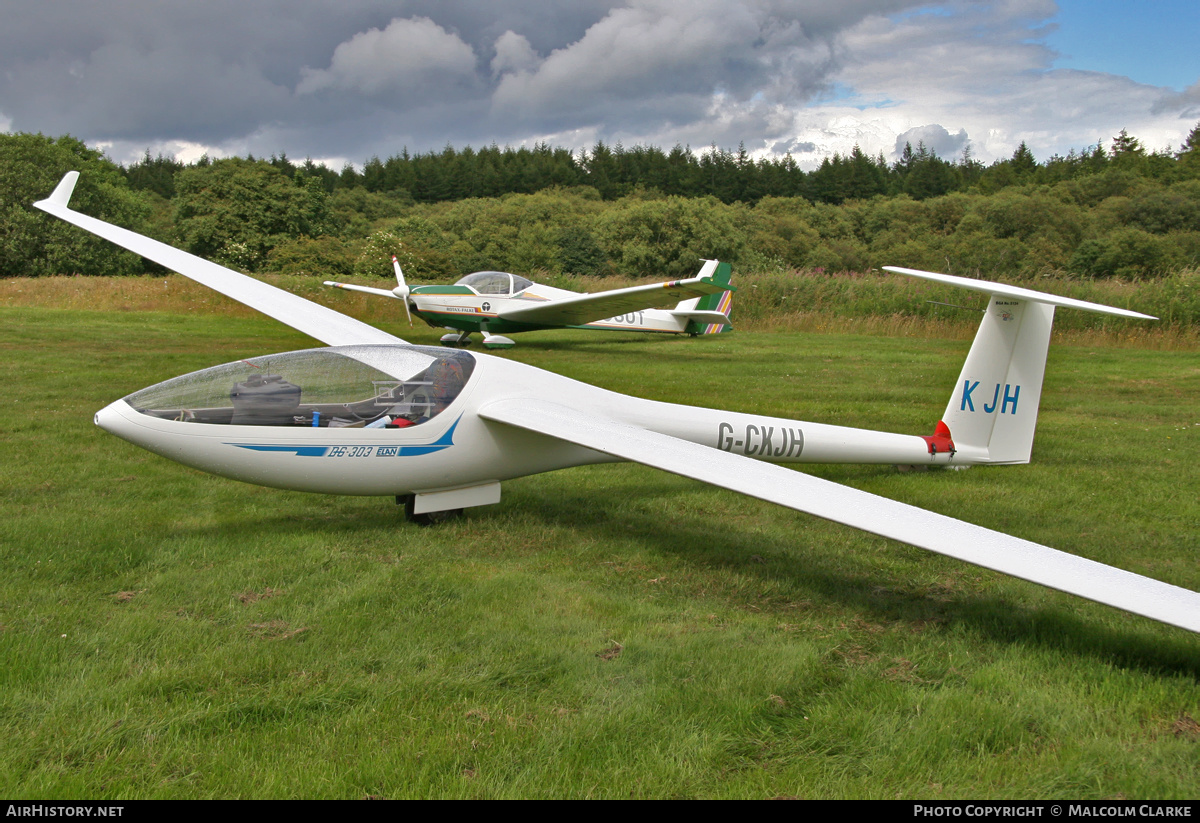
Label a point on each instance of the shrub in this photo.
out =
(1128, 253)
(33, 243)
(322, 256)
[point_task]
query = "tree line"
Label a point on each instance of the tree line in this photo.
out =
(1120, 211)
(731, 177)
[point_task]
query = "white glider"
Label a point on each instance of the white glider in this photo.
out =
(441, 428)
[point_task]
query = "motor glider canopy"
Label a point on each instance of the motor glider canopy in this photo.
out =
(345, 386)
(494, 282)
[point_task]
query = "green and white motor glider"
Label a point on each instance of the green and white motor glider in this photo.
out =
(440, 429)
(496, 303)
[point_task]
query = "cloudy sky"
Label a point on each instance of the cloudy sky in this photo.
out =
(342, 80)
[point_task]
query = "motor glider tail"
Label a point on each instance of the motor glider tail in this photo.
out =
(699, 310)
(992, 413)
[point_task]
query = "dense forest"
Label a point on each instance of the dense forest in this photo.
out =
(1115, 211)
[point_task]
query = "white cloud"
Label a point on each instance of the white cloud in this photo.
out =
(513, 54)
(410, 52)
(934, 138)
(646, 49)
(978, 72)
(350, 80)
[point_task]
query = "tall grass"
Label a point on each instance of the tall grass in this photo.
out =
(778, 301)
(871, 303)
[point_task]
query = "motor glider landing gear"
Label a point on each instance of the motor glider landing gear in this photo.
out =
(457, 339)
(495, 341)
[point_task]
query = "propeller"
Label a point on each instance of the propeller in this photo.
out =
(402, 290)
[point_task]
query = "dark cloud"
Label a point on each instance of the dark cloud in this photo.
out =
(1186, 103)
(793, 147)
(355, 78)
(351, 78)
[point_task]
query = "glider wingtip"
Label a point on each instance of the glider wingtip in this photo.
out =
(62, 192)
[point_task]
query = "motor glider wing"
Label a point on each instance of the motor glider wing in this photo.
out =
(861, 510)
(588, 308)
(319, 322)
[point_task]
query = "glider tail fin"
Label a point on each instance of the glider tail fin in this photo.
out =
(992, 412)
(720, 302)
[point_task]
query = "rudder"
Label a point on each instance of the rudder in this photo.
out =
(992, 413)
(721, 302)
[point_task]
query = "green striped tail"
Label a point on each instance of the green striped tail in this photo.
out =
(722, 302)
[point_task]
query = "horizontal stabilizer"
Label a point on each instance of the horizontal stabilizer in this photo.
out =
(1018, 293)
(700, 316)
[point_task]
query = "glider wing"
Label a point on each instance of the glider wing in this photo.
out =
(319, 322)
(861, 510)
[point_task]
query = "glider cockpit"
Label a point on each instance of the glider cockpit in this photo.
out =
(340, 387)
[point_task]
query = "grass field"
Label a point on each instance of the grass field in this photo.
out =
(607, 631)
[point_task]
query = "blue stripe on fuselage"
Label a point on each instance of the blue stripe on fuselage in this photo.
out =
(443, 442)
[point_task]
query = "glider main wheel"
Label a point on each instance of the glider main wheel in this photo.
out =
(433, 518)
(425, 518)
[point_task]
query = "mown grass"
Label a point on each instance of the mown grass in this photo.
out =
(606, 631)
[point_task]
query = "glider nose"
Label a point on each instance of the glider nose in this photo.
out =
(104, 418)
(111, 419)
